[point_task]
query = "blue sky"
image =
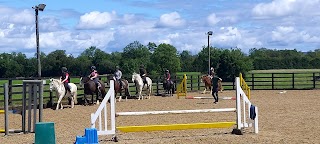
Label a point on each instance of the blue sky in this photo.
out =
(110, 25)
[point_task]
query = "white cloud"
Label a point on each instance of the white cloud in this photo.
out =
(95, 20)
(212, 19)
(171, 20)
(21, 17)
(278, 8)
(286, 23)
(288, 35)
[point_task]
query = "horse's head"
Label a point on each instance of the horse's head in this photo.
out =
(83, 80)
(203, 78)
(135, 77)
(53, 83)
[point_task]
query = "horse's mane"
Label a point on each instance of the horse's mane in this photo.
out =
(53, 79)
(134, 73)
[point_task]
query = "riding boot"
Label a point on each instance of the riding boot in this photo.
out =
(121, 85)
(98, 87)
(69, 89)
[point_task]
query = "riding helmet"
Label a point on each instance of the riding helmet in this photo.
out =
(93, 67)
(64, 69)
(117, 67)
(141, 66)
(167, 70)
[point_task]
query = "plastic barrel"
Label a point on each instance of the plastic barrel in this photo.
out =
(45, 133)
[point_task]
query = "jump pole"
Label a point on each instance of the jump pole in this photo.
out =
(175, 112)
(223, 98)
(175, 127)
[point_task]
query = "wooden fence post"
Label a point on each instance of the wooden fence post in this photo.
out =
(272, 80)
(314, 80)
(191, 81)
(252, 81)
(292, 80)
(158, 85)
(10, 92)
(198, 82)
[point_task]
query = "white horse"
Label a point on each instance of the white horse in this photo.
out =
(58, 86)
(139, 84)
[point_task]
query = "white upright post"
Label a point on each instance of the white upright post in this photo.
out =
(238, 103)
(113, 107)
(256, 121)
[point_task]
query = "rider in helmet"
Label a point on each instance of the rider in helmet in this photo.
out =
(211, 72)
(95, 77)
(65, 79)
(143, 74)
(167, 76)
(118, 74)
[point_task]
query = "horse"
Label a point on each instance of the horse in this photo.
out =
(168, 87)
(136, 78)
(207, 84)
(90, 88)
(58, 86)
(118, 89)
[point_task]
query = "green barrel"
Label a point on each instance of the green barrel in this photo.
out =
(45, 133)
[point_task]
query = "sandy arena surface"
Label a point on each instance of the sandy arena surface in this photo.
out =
(292, 117)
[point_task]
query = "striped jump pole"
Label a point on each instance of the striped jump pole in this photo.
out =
(223, 98)
(175, 112)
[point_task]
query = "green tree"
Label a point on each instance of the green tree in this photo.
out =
(166, 57)
(186, 60)
(231, 63)
(133, 56)
(53, 62)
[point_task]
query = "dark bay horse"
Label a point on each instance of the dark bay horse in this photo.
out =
(168, 86)
(118, 89)
(207, 84)
(90, 88)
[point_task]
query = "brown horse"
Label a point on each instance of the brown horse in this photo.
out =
(90, 88)
(207, 84)
(118, 89)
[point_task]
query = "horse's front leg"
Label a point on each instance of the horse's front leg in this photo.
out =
(59, 102)
(120, 97)
(97, 99)
(86, 101)
(205, 88)
(139, 93)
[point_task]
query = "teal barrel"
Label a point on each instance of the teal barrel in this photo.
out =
(45, 133)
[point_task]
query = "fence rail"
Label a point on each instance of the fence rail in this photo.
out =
(256, 81)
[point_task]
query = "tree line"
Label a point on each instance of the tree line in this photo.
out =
(156, 58)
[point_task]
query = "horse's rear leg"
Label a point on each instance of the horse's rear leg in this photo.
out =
(127, 93)
(72, 102)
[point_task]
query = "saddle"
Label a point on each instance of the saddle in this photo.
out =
(144, 79)
(121, 83)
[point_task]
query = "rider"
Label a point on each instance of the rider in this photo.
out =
(211, 72)
(65, 79)
(167, 76)
(215, 80)
(118, 75)
(95, 77)
(143, 74)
